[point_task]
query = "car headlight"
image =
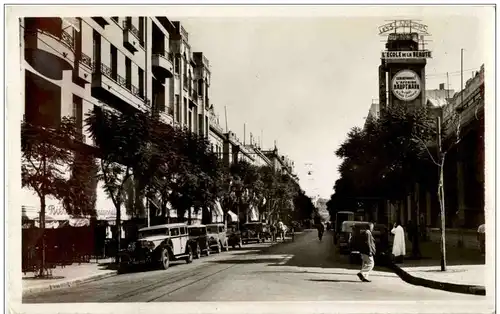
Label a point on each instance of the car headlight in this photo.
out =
(148, 245)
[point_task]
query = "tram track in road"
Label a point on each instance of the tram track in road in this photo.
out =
(190, 283)
(201, 269)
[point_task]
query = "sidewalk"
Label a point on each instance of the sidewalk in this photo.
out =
(465, 271)
(68, 276)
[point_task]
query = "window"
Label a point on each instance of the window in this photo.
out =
(221, 229)
(141, 83)
(114, 62)
(200, 87)
(128, 73)
(177, 109)
(97, 49)
(78, 112)
(183, 231)
(141, 30)
(177, 64)
(190, 121)
(206, 126)
(185, 110)
(174, 232)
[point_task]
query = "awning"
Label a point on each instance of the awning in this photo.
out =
(254, 216)
(218, 209)
(233, 216)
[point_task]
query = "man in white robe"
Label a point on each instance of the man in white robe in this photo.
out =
(398, 244)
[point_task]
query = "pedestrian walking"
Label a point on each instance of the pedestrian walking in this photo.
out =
(398, 244)
(481, 238)
(321, 230)
(273, 232)
(367, 249)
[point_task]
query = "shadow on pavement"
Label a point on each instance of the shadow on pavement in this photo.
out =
(322, 273)
(249, 261)
(334, 280)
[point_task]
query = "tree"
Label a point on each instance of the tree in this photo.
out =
(45, 154)
(304, 208)
(81, 197)
(120, 141)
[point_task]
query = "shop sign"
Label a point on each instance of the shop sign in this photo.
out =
(421, 54)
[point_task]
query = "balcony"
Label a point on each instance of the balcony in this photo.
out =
(112, 86)
(85, 68)
(101, 21)
(49, 49)
(131, 37)
(163, 64)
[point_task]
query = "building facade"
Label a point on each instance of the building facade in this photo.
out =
(72, 65)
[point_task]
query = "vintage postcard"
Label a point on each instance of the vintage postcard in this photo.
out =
(250, 159)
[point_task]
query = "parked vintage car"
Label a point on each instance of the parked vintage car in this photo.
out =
(254, 232)
(158, 244)
(199, 240)
(344, 236)
(217, 237)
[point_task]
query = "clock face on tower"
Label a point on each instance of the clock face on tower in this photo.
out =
(406, 85)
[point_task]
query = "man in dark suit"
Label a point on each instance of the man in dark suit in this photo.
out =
(367, 249)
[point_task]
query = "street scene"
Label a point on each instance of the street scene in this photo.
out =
(303, 270)
(192, 159)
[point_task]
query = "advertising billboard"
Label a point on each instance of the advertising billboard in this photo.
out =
(406, 85)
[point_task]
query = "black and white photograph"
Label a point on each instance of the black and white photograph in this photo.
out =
(250, 158)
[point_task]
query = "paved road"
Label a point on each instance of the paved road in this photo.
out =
(304, 270)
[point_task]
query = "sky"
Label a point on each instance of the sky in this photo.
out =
(305, 82)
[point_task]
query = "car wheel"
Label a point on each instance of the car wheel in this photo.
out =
(189, 258)
(198, 252)
(165, 258)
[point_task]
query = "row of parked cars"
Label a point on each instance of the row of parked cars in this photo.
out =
(162, 244)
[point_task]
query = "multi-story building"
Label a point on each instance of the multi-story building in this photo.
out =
(216, 134)
(72, 65)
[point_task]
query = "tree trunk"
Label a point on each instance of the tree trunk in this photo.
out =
(42, 227)
(118, 233)
(443, 222)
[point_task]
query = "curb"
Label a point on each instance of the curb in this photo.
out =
(446, 286)
(69, 283)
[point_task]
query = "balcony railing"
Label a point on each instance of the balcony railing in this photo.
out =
(68, 40)
(120, 80)
(166, 54)
(86, 61)
(184, 33)
(127, 24)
